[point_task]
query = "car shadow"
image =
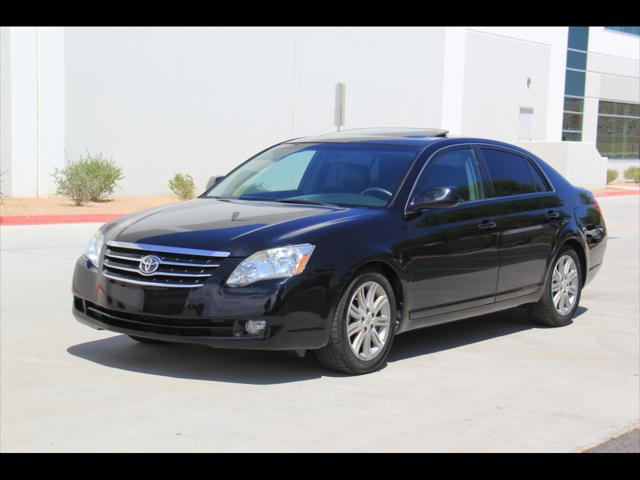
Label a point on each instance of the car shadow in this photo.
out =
(198, 362)
(463, 332)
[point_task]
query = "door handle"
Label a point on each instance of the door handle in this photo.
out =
(487, 225)
(553, 214)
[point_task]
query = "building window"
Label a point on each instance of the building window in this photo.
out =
(629, 30)
(576, 60)
(618, 129)
(575, 78)
(578, 38)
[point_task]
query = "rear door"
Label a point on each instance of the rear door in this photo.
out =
(528, 214)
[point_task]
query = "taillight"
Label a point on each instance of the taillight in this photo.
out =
(596, 205)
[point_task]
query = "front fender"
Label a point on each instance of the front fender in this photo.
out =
(354, 258)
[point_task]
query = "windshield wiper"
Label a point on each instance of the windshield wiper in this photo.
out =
(304, 202)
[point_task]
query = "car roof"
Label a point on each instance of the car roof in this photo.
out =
(420, 137)
(405, 136)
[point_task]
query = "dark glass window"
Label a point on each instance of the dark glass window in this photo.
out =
(619, 108)
(572, 122)
(572, 136)
(576, 60)
(509, 172)
(574, 83)
(618, 130)
(630, 30)
(454, 168)
(573, 104)
(579, 38)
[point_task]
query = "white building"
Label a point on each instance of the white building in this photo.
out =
(200, 100)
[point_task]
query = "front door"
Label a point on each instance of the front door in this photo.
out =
(454, 251)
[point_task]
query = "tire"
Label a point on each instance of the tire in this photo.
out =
(148, 340)
(338, 354)
(545, 312)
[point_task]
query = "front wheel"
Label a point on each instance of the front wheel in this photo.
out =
(363, 326)
(561, 292)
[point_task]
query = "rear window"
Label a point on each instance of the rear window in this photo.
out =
(512, 174)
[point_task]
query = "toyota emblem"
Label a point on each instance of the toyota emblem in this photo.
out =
(149, 265)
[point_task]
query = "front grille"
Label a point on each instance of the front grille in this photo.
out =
(178, 267)
(197, 327)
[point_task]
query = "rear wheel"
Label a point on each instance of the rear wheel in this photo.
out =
(147, 340)
(362, 329)
(561, 291)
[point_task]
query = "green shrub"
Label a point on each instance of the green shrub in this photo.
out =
(183, 186)
(105, 173)
(90, 178)
(632, 173)
(611, 175)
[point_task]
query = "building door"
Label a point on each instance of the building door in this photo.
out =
(525, 123)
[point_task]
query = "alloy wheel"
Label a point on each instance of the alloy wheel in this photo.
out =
(564, 285)
(368, 321)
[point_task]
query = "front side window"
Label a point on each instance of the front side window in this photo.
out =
(454, 168)
(337, 173)
(511, 173)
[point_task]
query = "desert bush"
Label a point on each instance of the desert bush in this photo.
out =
(611, 175)
(632, 173)
(90, 178)
(183, 186)
(105, 174)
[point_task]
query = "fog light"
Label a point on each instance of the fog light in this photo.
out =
(254, 327)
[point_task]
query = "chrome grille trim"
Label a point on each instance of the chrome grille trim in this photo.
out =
(157, 273)
(151, 284)
(164, 262)
(177, 267)
(163, 249)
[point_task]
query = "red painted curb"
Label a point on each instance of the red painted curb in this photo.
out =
(49, 219)
(617, 193)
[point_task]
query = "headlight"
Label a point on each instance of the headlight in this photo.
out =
(95, 247)
(282, 262)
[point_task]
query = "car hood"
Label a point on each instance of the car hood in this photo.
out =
(237, 226)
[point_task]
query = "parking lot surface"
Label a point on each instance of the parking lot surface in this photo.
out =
(493, 383)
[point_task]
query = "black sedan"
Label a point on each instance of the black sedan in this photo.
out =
(339, 242)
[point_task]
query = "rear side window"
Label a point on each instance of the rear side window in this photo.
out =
(511, 174)
(541, 184)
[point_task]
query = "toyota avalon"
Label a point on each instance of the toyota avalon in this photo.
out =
(339, 242)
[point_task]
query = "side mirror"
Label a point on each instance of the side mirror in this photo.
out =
(435, 197)
(214, 181)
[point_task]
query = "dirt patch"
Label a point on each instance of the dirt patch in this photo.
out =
(64, 206)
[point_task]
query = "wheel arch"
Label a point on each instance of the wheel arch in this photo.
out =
(578, 246)
(387, 268)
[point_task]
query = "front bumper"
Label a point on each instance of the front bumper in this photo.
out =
(296, 311)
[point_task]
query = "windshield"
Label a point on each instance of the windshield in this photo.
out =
(366, 175)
